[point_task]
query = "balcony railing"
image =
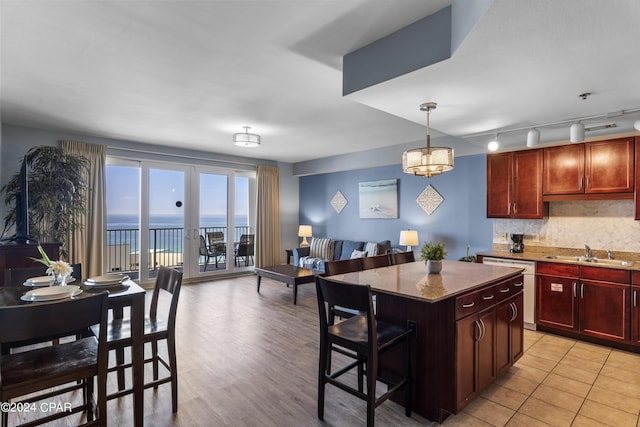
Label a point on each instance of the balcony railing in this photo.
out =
(166, 247)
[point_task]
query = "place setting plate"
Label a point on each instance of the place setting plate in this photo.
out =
(106, 281)
(51, 293)
(36, 282)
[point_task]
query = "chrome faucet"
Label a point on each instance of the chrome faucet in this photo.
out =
(587, 253)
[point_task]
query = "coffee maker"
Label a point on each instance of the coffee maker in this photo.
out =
(517, 243)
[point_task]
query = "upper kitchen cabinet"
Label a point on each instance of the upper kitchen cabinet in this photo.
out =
(594, 170)
(514, 185)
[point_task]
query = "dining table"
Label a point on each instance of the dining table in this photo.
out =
(128, 294)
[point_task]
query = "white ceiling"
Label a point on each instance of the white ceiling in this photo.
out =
(192, 73)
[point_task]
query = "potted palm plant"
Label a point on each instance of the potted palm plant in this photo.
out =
(57, 187)
(433, 254)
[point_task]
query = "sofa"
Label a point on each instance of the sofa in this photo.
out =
(321, 250)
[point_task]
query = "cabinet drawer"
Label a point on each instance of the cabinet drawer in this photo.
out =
(605, 274)
(557, 269)
(508, 288)
(635, 277)
(467, 304)
(487, 297)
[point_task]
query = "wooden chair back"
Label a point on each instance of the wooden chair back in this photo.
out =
(403, 257)
(169, 280)
(17, 276)
(376, 261)
(342, 266)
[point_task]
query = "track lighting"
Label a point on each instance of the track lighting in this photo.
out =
(533, 137)
(576, 133)
(494, 144)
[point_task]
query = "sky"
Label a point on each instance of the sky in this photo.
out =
(166, 188)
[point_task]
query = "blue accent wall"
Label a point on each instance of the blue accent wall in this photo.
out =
(458, 221)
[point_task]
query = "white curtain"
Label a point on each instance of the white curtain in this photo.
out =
(86, 245)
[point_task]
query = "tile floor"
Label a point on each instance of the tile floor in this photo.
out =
(560, 382)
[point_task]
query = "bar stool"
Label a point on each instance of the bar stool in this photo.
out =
(364, 339)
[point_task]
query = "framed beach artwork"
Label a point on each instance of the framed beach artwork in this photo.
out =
(378, 199)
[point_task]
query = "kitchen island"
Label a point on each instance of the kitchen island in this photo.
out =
(468, 323)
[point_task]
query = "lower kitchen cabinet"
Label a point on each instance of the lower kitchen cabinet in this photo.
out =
(635, 308)
(476, 363)
(588, 301)
(509, 332)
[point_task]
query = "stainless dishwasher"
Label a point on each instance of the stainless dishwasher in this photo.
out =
(529, 277)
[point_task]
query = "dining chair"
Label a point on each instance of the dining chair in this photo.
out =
(157, 327)
(342, 266)
(46, 371)
(376, 261)
(366, 338)
(403, 257)
(205, 252)
(245, 248)
(16, 276)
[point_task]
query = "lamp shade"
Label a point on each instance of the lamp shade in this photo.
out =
(305, 231)
(576, 133)
(408, 238)
(246, 139)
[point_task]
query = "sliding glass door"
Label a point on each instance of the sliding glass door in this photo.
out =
(199, 220)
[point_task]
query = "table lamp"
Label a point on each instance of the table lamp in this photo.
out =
(304, 231)
(409, 238)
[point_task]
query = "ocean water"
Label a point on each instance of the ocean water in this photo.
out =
(166, 232)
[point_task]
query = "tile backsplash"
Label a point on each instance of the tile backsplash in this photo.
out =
(601, 224)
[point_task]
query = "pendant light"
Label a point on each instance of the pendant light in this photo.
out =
(427, 161)
(246, 139)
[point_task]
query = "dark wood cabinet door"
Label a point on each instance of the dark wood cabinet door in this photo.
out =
(563, 171)
(609, 166)
(486, 356)
(527, 184)
(468, 330)
(637, 192)
(635, 315)
(556, 302)
(517, 328)
(499, 185)
(605, 310)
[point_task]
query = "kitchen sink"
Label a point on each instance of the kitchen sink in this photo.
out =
(591, 260)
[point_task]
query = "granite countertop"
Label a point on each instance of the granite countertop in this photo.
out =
(543, 254)
(411, 279)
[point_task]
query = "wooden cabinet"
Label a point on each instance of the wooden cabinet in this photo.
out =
(590, 301)
(593, 170)
(509, 332)
(635, 308)
(637, 192)
(514, 185)
(17, 255)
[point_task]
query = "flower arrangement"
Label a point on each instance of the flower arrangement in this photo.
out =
(55, 268)
(468, 258)
(432, 251)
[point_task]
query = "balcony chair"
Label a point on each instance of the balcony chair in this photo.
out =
(363, 338)
(157, 327)
(204, 251)
(376, 261)
(403, 257)
(217, 245)
(39, 372)
(245, 249)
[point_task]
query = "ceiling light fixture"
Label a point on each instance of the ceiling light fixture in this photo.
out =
(494, 144)
(246, 139)
(533, 137)
(576, 132)
(427, 161)
(637, 125)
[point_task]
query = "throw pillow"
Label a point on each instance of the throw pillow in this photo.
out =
(371, 248)
(321, 248)
(358, 254)
(347, 248)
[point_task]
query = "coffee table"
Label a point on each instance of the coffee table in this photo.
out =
(289, 274)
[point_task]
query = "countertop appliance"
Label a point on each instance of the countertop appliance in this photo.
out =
(517, 243)
(529, 277)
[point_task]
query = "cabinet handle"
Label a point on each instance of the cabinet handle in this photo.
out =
(514, 310)
(468, 305)
(477, 323)
(487, 297)
(504, 290)
(515, 208)
(519, 284)
(581, 290)
(574, 289)
(484, 329)
(635, 301)
(581, 183)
